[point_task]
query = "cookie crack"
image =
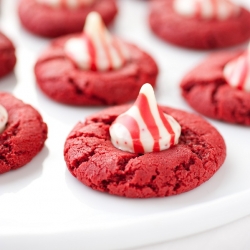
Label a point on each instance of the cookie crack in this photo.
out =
(5, 144)
(198, 146)
(187, 87)
(217, 85)
(184, 166)
(153, 187)
(105, 120)
(122, 176)
(244, 111)
(80, 91)
(122, 163)
(85, 158)
(85, 134)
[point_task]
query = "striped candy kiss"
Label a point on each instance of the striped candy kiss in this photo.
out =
(3, 118)
(144, 127)
(207, 9)
(96, 49)
(237, 72)
(68, 4)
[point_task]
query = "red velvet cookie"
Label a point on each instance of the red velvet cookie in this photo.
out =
(196, 33)
(61, 80)
(206, 89)
(23, 136)
(93, 160)
(7, 55)
(53, 22)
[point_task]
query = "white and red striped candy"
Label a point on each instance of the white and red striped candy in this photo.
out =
(237, 72)
(70, 4)
(144, 127)
(3, 118)
(206, 9)
(96, 49)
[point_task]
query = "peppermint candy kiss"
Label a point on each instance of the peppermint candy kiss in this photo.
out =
(207, 9)
(3, 118)
(144, 127)
(96, 49)
(70, 4)
(237, 72)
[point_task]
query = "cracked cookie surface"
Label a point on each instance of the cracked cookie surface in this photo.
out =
(93, 160)
(62, 81)
(207, 91)
(23, 136)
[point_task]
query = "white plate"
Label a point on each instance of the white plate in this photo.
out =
(44, 207)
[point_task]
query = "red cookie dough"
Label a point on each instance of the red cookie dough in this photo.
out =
(207, 91)
(50, 22)
(23, 136)
(197, 33)
(62, 81)
(93, 160)
(7, 55)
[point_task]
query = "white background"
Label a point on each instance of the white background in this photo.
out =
(42, 206)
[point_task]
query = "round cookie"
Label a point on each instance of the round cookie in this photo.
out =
(93, 160)
(23, 136)
(60, 79)
(50, 22)
(194, 33)
(7, 55)
(207, 91)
